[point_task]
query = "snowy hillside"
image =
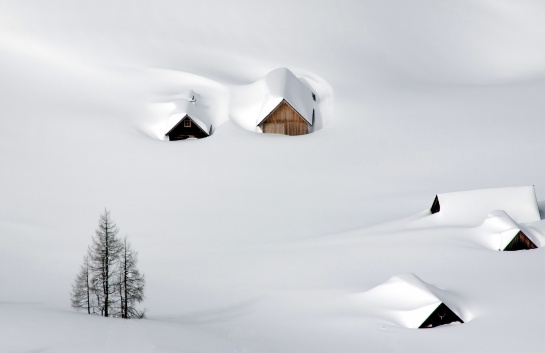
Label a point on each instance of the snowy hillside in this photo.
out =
(266, 243)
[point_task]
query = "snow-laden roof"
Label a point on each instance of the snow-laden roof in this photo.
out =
(404, 299)
(282, 84)
(471, 207)
(193, 109)
(502, 229)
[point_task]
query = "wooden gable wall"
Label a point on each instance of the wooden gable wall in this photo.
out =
(520, 242)
(284, 120)
(441, 316)
(182, 132)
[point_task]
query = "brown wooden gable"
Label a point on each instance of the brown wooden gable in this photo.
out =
(520, 242)
(285, 120)
(182, 132)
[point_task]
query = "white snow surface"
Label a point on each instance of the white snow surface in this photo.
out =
(260, 242)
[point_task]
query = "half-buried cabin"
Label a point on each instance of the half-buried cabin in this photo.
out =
(505, 234)
(410, 302)
(188, 122)
(288, 107)
(472, 206)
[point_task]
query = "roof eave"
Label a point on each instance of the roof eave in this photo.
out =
(278, 105)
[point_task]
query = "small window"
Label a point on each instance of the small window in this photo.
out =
(187, 123)
(313, 97)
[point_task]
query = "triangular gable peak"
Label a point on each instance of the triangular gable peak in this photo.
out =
(520, 242)
(195, 112)
(410, 302)
(435, 207)
(471, 207)
(443, 315)
(284, 120)
(196, 128)
(505, 233)
(283, 103)
(282, 85)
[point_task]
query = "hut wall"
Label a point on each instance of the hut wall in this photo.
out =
(435, 207)
(180, 132)
(284, 120)
(520, 242)
(441, 316)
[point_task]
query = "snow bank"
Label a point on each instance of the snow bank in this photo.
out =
(471, 207)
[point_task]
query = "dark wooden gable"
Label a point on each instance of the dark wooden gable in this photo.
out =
(520, 242)
(285, 120)
(441, 316)
(435, 207)
(186, 128)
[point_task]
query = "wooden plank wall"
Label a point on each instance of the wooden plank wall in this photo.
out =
(284, 120)
(181, 133)
(520, 242)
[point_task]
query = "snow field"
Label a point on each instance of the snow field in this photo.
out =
(255, 243)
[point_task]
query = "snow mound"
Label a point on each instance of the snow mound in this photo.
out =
(405, 300)
(471, 207)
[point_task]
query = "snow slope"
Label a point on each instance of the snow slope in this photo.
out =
(258, 243)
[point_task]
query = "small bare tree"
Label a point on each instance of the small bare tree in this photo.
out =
(131, 283)
(104, 255)
(81, 295)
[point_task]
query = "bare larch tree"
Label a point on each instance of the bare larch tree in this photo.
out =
(104, 255)
(81, 289)
(131, 283)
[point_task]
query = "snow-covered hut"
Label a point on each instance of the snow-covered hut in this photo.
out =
(410, 302)
(288, 106)
(188, 121)
(471, 207)
(505, 233)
